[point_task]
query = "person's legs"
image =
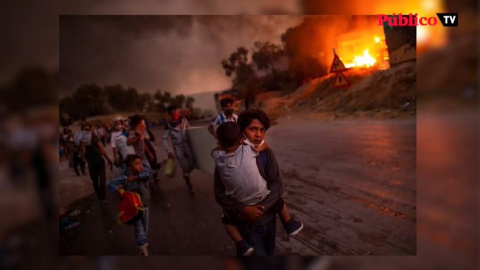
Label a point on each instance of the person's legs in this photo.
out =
(269, 238)
(189, 157)
(281, 209)
(94, 171)
(69, 156)
(184, 165)
(188, 183)
(76, 163)
(233, 232)
(146, 216)
(82, 165)
(253, 235)
(292, 226)
(189, 165)
(230, 224)
(140, 230)
(103, 182)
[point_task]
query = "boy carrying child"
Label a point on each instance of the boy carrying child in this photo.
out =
(236, 163)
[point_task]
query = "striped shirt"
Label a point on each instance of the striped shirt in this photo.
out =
(221, 118)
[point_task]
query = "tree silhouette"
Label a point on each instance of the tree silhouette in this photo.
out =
(266, 55)
(189, 103)
(237, 64)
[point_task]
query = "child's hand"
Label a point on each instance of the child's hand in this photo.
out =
(132, 178)
(218, 148)
(262, 147)
(252, 212)
(120, 193)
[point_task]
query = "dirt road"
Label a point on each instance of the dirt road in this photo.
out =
(352, 183)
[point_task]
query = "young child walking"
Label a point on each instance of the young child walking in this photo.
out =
(237, 165)
(135, 178)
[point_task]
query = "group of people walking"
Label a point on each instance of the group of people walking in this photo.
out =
(247, 180)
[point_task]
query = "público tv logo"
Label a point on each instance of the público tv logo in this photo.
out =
(447, 20)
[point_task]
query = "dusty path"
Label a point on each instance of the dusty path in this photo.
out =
(351, 182)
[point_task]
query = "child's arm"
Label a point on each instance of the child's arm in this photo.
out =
(104, 153)
(218, 148)
(148, 152)
(143, 176)
(117, 185)
(262, 147)
(211, 130)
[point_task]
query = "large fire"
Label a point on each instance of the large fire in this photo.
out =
(427, 36)
(363, 50)
(365, 60)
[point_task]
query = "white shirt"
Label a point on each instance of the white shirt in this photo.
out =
(114, 137)
(240, 175)
(123, 147)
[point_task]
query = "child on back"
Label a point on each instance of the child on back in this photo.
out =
(135, 179)
(237, 165)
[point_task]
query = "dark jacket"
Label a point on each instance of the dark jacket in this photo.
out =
(271, 173)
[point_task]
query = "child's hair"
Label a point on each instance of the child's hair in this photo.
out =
(171, 108)
(86, 125)
(246, 118)
(229, 134)
(224, 102)
(136, 119)
(130, 159)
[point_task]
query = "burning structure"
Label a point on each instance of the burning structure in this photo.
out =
(357, 50)
(358, 40)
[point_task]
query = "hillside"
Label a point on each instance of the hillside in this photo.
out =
(381, 94)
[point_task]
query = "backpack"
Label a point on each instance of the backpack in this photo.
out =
(130, 208)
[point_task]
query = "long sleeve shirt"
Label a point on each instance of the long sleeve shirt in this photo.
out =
(177, 133)
(141, 186)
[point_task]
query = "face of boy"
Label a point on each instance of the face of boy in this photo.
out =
(255, 132)
(228, 109)
(141, 127)
(136, 166)
(174, 115)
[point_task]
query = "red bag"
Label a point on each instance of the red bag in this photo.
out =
(130, 208)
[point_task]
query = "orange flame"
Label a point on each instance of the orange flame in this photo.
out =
(361, 50)
(365, 60)
(427, 36)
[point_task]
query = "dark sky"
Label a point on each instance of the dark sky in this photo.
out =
(180, 54)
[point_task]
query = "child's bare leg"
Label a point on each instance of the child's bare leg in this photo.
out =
(233, 232)
(292, 227)
(284, 214)
(243, 248)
